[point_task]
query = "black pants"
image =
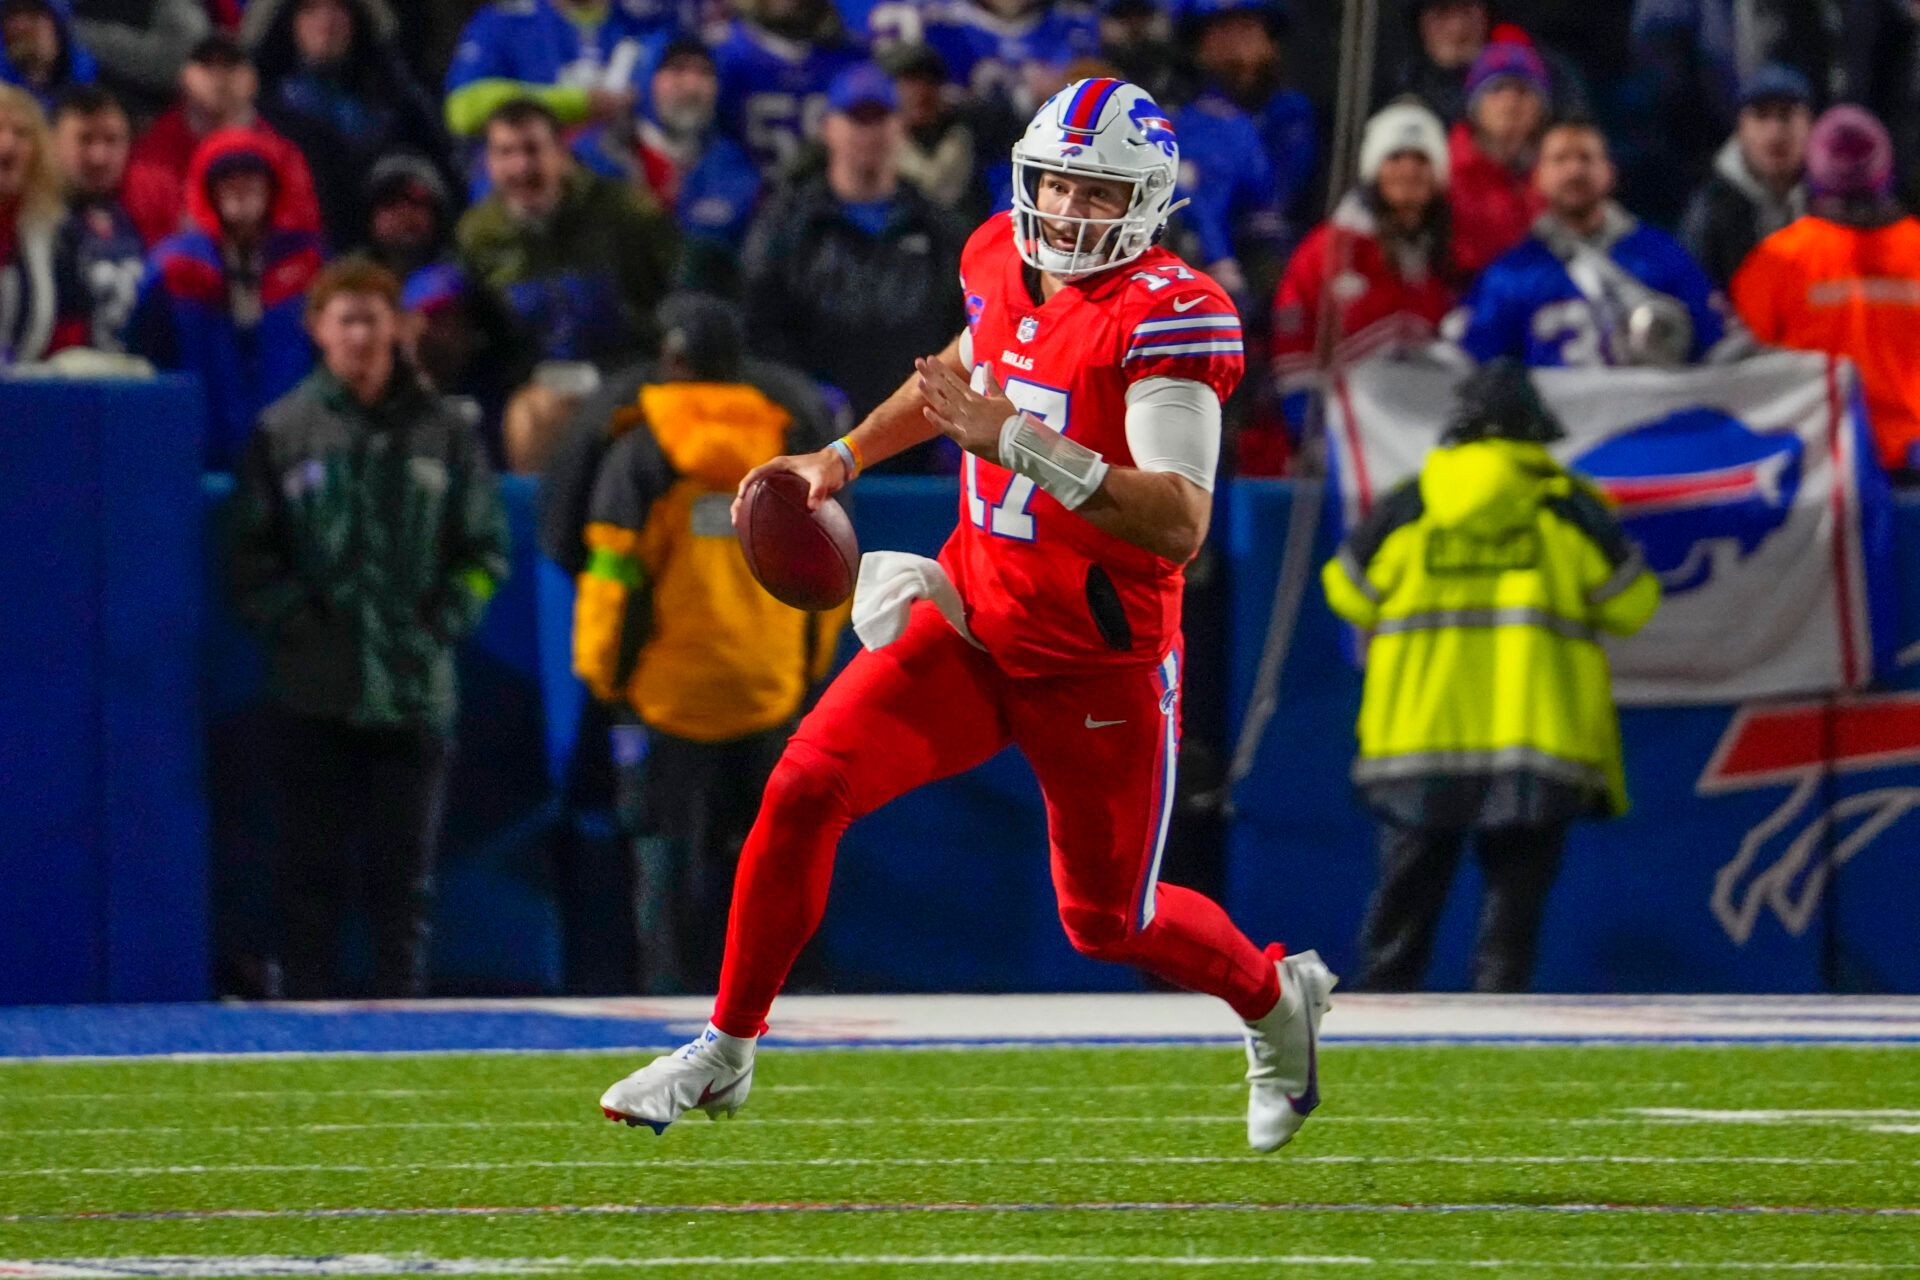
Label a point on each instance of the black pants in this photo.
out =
(360, 824)
(688, 807)
(1518, 865)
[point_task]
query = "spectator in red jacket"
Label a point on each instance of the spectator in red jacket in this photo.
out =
(1491, 191)
(1378, 274)
(217, 90)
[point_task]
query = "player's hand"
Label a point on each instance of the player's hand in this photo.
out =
(824, 473)
(966, 417)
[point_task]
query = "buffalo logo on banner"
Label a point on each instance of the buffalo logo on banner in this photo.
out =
(1693, 483)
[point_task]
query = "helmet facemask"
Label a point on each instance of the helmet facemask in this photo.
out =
(1099, 243)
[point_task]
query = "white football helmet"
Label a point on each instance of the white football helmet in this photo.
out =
(1096, 129)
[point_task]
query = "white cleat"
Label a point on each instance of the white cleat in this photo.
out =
(712, 1073)
(1283, 1053)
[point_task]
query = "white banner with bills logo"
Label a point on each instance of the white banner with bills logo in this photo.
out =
(1750, 487)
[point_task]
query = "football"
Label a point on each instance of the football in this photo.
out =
(807, 559)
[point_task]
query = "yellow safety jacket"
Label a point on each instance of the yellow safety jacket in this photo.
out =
(668, 618)
(1485, 584)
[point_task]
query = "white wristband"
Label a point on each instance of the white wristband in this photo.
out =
(1066, 469)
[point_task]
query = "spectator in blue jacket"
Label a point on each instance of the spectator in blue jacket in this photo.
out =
(672, 149)
(1237, 51)
(225, 298)
(38, 51)
(776, 60)
(1592, 284)
(1233, 218)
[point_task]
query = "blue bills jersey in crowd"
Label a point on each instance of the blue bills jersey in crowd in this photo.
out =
(1285, 122)
(985, 52)
(1525, 304)
(533, 41)
(773, 91)
(1225, 174)
(111, 260)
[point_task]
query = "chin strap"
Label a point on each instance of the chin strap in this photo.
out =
(1066, 469)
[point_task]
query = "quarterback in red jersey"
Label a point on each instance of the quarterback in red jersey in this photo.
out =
(1086, 391)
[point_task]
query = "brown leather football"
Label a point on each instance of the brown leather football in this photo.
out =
(807, 559)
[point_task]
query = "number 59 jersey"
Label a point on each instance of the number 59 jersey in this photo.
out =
(1047, 592)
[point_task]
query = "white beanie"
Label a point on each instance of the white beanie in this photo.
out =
(1403, 126)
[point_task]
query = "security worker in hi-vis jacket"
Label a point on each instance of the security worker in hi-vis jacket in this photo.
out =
(710, 671)
(1484, 585)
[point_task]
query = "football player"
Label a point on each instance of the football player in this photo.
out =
(1086, 392)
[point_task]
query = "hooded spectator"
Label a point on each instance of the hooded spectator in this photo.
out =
(218, 87)
(91, 137)
(1238, 48)
(43, 303)
(224, 298)
(460, 339)
(1492, 151)
(1591, 284)
(1378, 273)
(1845, 279)
(1448, 36)
(672, 150)
(141, 47)
(1759, 178)
(334, 82)
(38, 51)
(576, 57)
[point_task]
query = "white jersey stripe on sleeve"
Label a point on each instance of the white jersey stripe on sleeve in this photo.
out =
(1227, 321)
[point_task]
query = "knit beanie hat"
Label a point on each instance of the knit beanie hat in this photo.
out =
(1509, 54)
(1404, 125)
(1849, 154)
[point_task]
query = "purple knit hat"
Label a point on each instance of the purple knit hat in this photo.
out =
(1508, 59)
(1849, 154)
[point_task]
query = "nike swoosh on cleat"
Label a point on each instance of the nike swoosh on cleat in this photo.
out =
(708, 1095)
(1189, 303)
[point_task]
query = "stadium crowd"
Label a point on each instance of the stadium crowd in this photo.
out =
(522, 194)
(820, 164)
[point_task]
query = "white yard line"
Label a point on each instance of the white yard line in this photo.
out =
(842, 1122)
(680, 1164)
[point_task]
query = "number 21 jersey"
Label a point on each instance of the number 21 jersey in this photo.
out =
(1047, 592)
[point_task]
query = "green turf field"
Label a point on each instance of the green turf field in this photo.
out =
(1101, 1162)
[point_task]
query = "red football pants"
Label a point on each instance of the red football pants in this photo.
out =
(930, 705)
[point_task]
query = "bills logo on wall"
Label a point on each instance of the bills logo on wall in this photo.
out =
(1750, 487)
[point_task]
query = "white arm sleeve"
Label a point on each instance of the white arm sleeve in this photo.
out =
(1173, 424)
(966, 349)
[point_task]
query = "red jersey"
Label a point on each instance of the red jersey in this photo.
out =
(1045, 591)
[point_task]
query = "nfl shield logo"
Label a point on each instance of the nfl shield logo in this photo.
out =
(1028, 327)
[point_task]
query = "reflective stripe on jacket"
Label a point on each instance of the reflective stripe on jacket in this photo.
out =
(1486, 584)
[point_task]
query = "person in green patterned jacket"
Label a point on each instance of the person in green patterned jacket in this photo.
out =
(368, 537)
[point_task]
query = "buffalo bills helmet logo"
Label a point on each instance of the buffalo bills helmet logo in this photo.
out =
(1154, 128)
(1694, 485)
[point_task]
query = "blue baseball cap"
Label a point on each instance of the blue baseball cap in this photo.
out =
(1776, 82)
(862, 85)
